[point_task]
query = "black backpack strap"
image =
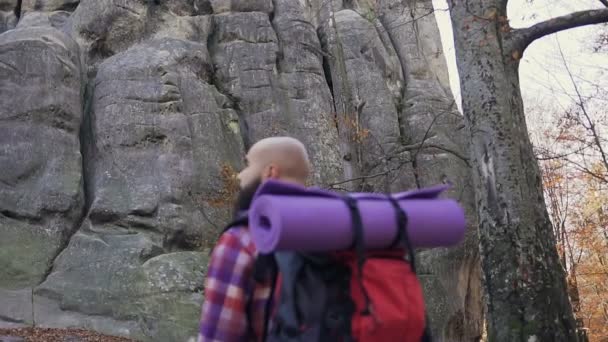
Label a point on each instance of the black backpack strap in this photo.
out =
(426, 336)
(265, 268)
(402, 237)
(269, 303)
(359, 246)
(288, 318)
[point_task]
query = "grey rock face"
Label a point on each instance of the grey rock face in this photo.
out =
(221, 6)
(48, 5)
(305, 99)
(105, 27)
(122, 143)
(367, 81)
(8, 5)
(8, 20)
(9, 10)
(408, 133)
(152, 179)
(119, 284)
(55, 19)
(277, 85)
(41, 196)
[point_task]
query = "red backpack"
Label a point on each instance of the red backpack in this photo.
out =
(355, 295)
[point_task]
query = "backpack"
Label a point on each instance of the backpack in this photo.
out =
(346, 296)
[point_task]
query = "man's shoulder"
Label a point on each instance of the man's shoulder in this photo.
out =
(237, 237)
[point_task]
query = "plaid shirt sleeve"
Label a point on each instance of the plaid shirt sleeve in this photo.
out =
(227, 291)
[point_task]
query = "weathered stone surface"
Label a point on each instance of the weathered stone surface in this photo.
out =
(277, 88)
(55, 19)
(152, 177)
(117, 284)
(244, 48)
(305, 100)
(187, 8)
(41, 194)
(48, 5)
(221, 6)
(8, 14)
(367, 83)
(9, 5)
(105, 27)
(8, 20)
(16, 309)
(195, 28)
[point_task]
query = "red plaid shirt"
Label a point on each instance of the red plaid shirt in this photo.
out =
(234, 303)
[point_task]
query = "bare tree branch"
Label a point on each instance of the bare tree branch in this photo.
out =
(407, 148)
(545, 154)
(379, 174)
(572, 20)
(581, 104)
(605, 2)
(419, 146)
(587, 171)
(593, 273)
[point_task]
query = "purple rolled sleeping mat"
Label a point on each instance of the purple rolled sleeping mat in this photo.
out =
(289, 217)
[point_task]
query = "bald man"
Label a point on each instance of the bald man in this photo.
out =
(236, 305)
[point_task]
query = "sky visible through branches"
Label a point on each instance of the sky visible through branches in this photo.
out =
(543, 75)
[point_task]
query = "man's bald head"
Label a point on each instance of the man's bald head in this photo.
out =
(282, 158)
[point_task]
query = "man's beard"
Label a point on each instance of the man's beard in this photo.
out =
(245, 197)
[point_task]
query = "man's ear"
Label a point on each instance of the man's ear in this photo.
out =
(271, 172)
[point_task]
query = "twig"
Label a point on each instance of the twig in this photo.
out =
(581, 104)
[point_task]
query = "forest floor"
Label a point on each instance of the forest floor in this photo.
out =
(56, 335)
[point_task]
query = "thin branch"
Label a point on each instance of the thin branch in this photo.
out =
(548, 155)
(419, 146)
(604, 2)
(376, 175)
(407, 148)
(572, 20)
(581, 104)
(587, 171)
(380, 174)
(426, 133)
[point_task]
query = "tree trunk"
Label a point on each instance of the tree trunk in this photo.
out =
(525, 285)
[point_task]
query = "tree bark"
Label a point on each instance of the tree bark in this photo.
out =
(525, 285)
